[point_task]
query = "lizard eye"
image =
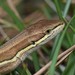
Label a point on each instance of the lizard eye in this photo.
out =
(48, 31)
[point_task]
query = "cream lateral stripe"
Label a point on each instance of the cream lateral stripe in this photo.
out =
(12, 52)
(18, 39)
(30, 47)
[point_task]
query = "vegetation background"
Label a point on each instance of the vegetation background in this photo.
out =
(16, 15)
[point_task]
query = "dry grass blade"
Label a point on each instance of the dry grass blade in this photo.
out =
(4, 34)
(11, 5)
(65, 54)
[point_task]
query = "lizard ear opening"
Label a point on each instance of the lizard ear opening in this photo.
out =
(33, 42)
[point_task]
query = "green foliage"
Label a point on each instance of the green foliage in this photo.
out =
(65, 38)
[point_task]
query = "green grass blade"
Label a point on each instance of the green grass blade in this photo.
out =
(26, 69)
(53, 49)
(52, 68)
(35, 61)
(70, 69)
(59, 12)
(16, 20)
(46, 11)
(45, 49)
(68, 2)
